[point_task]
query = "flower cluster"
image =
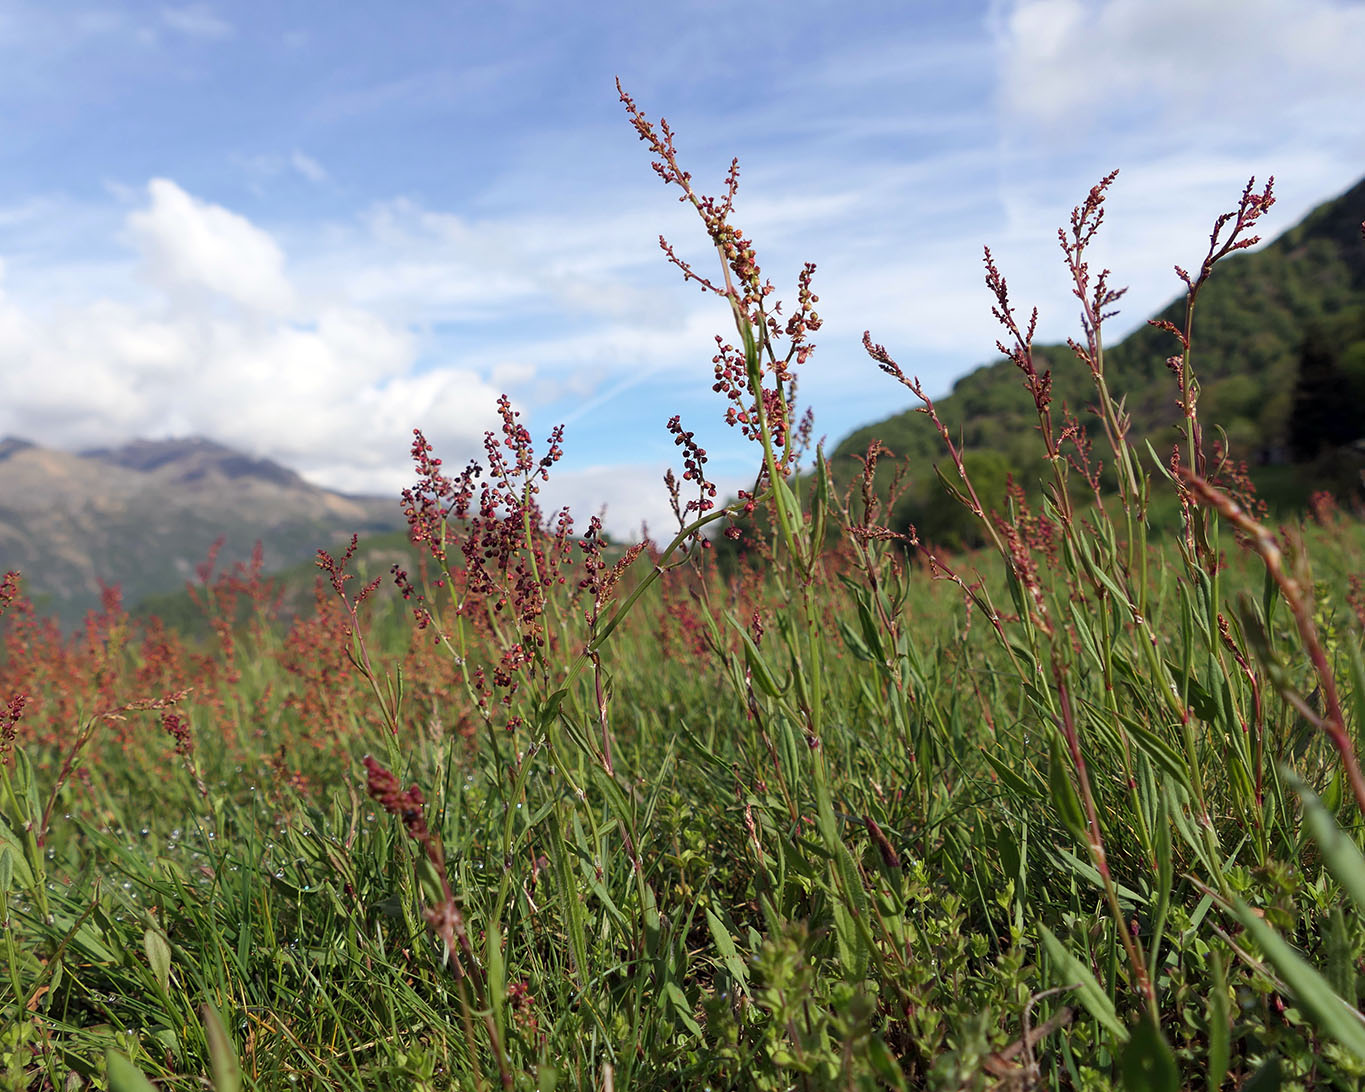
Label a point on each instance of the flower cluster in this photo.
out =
(694, 463)
(177, 726)
(760, 401)
(498, 555)
(406, 805)
(8, 721)
(9, 589)
(338, 576)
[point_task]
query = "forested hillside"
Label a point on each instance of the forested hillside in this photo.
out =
(1279, 351)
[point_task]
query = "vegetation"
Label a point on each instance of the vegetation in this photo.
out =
(1281, 373)
(1080, 810)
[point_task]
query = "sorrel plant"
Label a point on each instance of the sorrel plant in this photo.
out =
(834, 810)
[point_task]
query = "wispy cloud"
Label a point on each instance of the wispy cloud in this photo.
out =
(307, 166)
(197, 21)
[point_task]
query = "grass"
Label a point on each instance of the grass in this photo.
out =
(1078, 811)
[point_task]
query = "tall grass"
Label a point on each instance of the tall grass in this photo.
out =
(1076, 811)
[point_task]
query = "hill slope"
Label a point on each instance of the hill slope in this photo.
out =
(1257, 319)
(146, 514)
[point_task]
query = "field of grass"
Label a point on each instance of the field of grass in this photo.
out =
(832, 810)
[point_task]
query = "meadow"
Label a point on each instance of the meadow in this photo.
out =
(789, 800)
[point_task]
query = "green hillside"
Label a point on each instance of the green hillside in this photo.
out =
(1279, 349)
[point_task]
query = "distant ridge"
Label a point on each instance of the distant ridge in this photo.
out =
(145, 514)
(11, 444)
(196, 458)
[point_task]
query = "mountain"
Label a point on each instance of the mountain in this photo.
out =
(1278, 348)
(145, 515)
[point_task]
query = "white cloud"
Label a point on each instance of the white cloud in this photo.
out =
(190, 243)
(512, 373)
(1093, 61)
(331, 380)
(425, 262)
(307, 166)
(327, 387)
(264, 169)
(196, 21)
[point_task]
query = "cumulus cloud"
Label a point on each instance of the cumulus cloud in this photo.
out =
(190, 243)
(322, 354)
(328, 387)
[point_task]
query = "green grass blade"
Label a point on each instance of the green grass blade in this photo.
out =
(227, 1074)
(124, 1076)
(1341, 855)
(1087, 987)
(1331, 1014)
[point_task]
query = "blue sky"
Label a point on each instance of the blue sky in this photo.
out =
(304, 229)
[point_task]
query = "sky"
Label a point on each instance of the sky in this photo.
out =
(303, 230)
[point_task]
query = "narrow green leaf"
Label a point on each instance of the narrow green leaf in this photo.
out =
(1220, 1024)
(758, 668)
(872, 633)
(19, 864)
(884, 1062)
(124, 1076)
(846, 936)
(1329, 1012)
(961, 497)
(158, 956)
(497, 976)
(677, 1001)
(789, 506)
(1206, 707)
(1064, 796)
(729, 954)
(752, 364)
(854, 642)
(572, 903)
(1088, 872)
(1011, 779)
(429, 880)
(1158, 462)
(1341, 967)
(1356, 662)
(1165, 876)
(227, 1073)
(819, 502)
(1162, 753)
(1081, 624)
(1147, 1063)
(1088, 990)
(550, 708)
